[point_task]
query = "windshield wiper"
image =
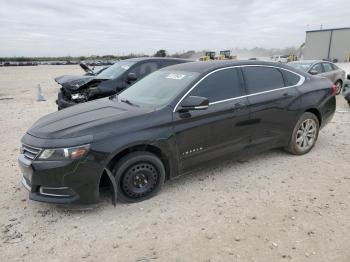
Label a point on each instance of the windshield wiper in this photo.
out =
(127, 101)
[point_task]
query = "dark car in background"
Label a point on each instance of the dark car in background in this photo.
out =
(169, 123)
(111, 80)
(322, 68)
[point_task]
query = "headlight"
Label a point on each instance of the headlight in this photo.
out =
(77, 96)
(57, 154)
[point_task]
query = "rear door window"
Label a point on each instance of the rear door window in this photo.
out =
(327, 67)
(221, 85)
(334, 66)
(261, 78)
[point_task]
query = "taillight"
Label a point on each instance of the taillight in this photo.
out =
(334, 90)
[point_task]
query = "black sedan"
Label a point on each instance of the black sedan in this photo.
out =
(169, 123)
(109, 80)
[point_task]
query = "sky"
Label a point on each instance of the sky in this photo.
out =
(100, 27)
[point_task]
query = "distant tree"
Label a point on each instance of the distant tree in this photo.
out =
(160, 53)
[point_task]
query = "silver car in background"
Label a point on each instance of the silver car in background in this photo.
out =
(322, 68)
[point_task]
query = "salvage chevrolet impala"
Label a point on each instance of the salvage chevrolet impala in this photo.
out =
(169, 123)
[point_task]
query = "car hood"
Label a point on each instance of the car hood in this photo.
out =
(91, 118)
(73, 82)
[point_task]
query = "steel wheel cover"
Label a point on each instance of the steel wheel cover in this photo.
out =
(139, 180)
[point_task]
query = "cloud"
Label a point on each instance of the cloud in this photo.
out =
(72, 27)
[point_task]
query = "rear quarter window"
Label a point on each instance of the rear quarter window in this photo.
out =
(290, 78)
(260, 78)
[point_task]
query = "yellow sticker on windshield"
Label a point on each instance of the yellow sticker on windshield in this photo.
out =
(176, 76)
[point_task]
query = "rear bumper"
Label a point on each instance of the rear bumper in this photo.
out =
(328, 110)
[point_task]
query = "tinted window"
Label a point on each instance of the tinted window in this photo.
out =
(143, 69)
(290, 78)
(221, 85)
(318, 68)
(327, 67)
(259, 79)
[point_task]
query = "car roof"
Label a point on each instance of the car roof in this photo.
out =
(309, 62)
(204, 67)
(138, 59)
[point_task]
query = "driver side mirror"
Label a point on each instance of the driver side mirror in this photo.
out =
(131, 77)
(313, 72)
(194, 103)
(348, 77)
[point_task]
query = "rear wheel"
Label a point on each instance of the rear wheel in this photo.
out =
(339, 85)
(305, 134)
(139, 175)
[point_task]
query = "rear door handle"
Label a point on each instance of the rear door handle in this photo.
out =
(286, 95)
(238, 106)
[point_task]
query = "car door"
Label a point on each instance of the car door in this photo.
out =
(273, 102)
(317, 68)
(329, 72)
(202, 135)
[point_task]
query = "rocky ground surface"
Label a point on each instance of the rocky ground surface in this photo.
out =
(267, 207)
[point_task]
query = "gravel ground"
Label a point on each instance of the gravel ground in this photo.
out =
(266, 207)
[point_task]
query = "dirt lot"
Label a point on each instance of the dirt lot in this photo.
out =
(268, 207)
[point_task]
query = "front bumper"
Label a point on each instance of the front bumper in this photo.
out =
(62, 102)
(61, 182)
(43, 196)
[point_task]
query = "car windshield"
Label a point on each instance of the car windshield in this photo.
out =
(115, 70)
(159, 88)
(301, 66)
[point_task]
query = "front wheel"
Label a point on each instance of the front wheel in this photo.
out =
(305, 134)
(139, 176)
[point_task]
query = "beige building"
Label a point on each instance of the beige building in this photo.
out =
(333, 44)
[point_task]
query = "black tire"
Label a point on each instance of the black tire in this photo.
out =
(339, 85)
(139, 176)
(294, 147)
